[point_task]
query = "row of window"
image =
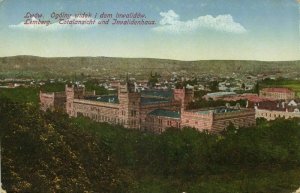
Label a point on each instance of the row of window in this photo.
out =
(109, 119)
(273, 115)
(160, 122)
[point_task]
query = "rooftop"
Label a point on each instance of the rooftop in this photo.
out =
(276, 106)
(215, 110)
(165, 113)
(105, 98)
(249, 97)
(114, 99)
(158, 93)
(215, 94)
(280, 90)
(153, 100)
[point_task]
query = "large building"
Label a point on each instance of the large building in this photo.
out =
(277, 93)
(217, 119)
(271, 110)
(218, 95)
(52, 100)
(154, 111)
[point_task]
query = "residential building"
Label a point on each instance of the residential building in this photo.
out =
(277, 93)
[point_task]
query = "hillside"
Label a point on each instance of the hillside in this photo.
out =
(41, 67)
(44, 153)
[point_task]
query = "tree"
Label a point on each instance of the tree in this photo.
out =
(45, 152)
(256, 88)
(153, 79)
(214, 86)
(243, 86)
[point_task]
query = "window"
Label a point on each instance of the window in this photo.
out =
(133, 113)
(169, 123)
(160, 121)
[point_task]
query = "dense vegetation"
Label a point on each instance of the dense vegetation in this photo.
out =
(90, 85)
(44, 152)
(21, 94)
(31, 94)
(153, 79)
(239, 160)
(49, 152)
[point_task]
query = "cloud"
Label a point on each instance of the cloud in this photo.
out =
(40, 25)
(171, 23)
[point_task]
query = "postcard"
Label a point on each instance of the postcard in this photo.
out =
(132, 96)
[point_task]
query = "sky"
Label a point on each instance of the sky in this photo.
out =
(183, 30)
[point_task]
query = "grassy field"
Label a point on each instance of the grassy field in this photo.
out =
(21, 94)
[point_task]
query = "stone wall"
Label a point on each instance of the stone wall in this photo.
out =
(52, 101)
(212, 122)
(158, 124)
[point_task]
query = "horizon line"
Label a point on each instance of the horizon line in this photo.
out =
(295, 60)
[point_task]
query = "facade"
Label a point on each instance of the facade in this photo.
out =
(277, 93)
(277, 109)
(158, 120)
(51, 101)
(145, 111)
(217, 119)
(250, 97)
(129, 108)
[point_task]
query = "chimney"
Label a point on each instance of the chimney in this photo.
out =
(283, 105)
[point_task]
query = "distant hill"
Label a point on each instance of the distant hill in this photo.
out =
(42, 67)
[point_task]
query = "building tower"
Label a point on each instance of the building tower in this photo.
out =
(184, 95)
(73, 92)
(129, 111)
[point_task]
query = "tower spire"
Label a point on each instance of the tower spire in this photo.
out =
(127, 77)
